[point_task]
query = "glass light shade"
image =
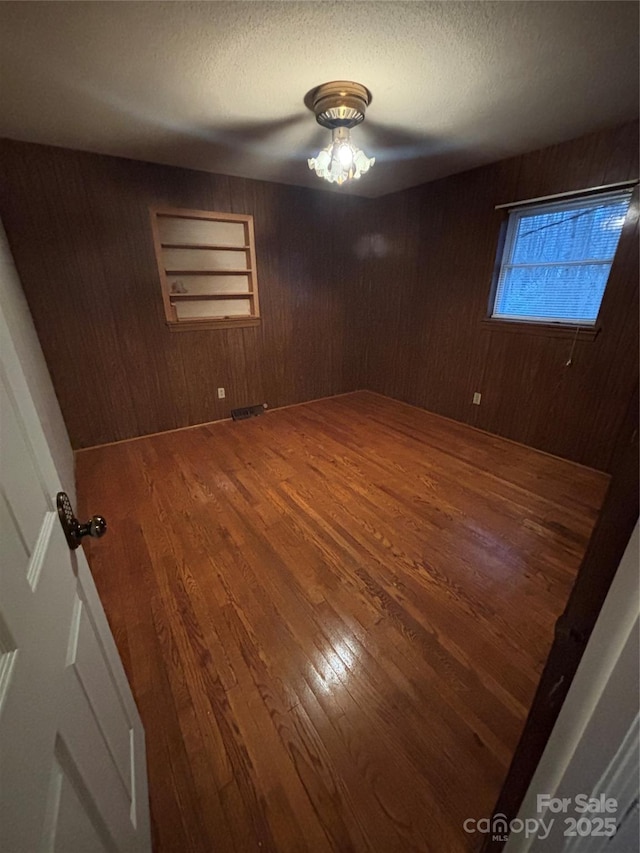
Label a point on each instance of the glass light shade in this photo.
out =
(340, 161)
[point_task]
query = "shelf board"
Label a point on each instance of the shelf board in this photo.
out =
(204, 325)
(226, 321)
(186, 297)
(207, 272)
(204, 246)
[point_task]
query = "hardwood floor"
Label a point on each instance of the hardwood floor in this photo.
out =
(333, 618)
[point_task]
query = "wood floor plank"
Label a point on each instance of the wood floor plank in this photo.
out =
(333, 618)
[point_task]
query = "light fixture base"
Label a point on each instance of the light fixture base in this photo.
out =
(341, 103)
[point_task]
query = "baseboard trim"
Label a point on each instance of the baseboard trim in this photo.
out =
(492, 434)
(212, 423)
(347, 394)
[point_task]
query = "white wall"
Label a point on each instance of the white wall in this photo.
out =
(593, 745)
(13, 305)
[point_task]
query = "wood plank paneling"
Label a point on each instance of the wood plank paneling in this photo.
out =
(387, 294)
(423, 340)
(78, 226)
(333, 618)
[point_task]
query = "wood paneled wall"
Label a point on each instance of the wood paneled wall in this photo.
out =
(387, 294)
(423, 340)
(79, 229)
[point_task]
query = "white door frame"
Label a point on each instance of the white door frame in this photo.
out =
(594, 744)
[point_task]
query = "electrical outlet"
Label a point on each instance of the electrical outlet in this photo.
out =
(476, 398)
(221, 394)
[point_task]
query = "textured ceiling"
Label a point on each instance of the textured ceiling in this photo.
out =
(220, 86)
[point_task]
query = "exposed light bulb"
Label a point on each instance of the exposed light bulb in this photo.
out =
(340, 161)
(345, 155)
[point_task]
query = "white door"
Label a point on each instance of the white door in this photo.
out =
(72, 756)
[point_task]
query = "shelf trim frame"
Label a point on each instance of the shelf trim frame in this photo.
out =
(170, 299)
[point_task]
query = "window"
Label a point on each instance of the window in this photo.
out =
(557, 257)
(207, 267)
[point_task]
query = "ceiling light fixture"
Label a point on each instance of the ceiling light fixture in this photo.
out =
(340, 106)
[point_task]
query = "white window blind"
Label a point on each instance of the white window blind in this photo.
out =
(557, 258)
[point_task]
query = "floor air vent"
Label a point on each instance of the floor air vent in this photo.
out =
(248, 412)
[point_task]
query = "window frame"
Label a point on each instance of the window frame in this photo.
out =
(172, 320)
(506, 242)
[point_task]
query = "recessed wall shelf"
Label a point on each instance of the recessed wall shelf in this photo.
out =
(207, 267)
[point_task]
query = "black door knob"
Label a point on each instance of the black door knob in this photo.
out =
(95, 527)
(73, 530)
